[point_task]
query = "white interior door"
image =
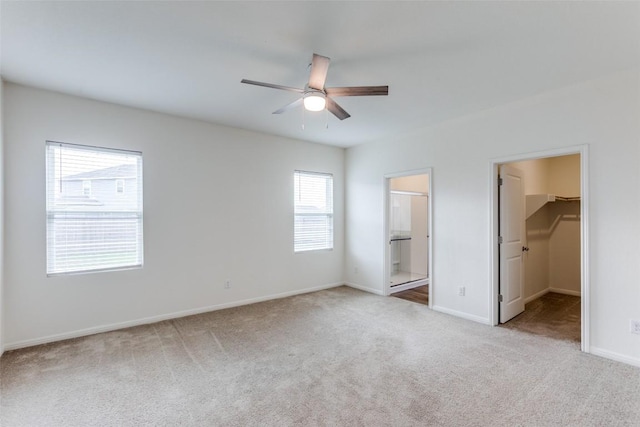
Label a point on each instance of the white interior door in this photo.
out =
(512, 242)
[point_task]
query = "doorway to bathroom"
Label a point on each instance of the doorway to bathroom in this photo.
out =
(407, 236)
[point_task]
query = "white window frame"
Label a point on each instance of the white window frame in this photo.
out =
(80, 235)
(314, 205)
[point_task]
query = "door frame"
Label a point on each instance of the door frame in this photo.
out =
(386, 288)
(494, 307)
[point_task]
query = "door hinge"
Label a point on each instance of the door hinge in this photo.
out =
(500, 298)
(499, 240)
(500, 181)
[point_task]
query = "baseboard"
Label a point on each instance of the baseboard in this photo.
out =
(555, 290)
(364, 288)
(467, 316)
(565, 292)
(615, 356)
(536, 295)
(410, 285)
(159, 318)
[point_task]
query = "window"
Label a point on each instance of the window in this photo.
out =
(86, 188)
(313, 211)
(119, 186)
(101, 232)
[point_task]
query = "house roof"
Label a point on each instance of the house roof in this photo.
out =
(114, 172)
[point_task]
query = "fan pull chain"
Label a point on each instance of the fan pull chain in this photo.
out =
(303, 116)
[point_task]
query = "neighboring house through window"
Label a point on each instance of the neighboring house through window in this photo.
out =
(89, 227)
(313, 211)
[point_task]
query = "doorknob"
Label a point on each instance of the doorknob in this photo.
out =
(525, 249)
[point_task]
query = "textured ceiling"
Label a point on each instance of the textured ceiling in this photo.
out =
(441, 60)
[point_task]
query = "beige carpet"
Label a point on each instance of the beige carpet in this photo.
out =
(339, 357)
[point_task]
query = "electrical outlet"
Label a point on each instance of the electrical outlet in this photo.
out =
(227, 284)
(461, 291)
(634, 326)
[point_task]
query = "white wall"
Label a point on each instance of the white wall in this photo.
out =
(602, 113)
(1, 220)
(218, 205)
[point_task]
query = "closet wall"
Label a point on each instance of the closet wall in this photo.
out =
(553, 232)
(415, 183)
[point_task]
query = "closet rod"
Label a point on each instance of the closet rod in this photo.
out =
(395, 239)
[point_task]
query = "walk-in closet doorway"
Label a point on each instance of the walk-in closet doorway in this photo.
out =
(540, 244)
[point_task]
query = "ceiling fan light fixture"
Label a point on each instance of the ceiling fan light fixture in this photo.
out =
(315, 101)
(315, 97)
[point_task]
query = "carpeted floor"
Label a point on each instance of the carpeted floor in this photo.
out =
(338, 357)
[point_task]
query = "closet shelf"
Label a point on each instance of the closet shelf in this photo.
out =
(535, 202)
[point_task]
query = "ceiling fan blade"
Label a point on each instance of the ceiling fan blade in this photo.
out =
(271, 85)
(319, 68)
(289, 106)
(337, 110)
(357, 91)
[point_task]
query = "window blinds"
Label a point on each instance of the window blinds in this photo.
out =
(313, 211)
(94, 208)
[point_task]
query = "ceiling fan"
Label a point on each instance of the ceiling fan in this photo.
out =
(316, 97)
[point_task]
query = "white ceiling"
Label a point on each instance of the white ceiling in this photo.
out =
(441, 60)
